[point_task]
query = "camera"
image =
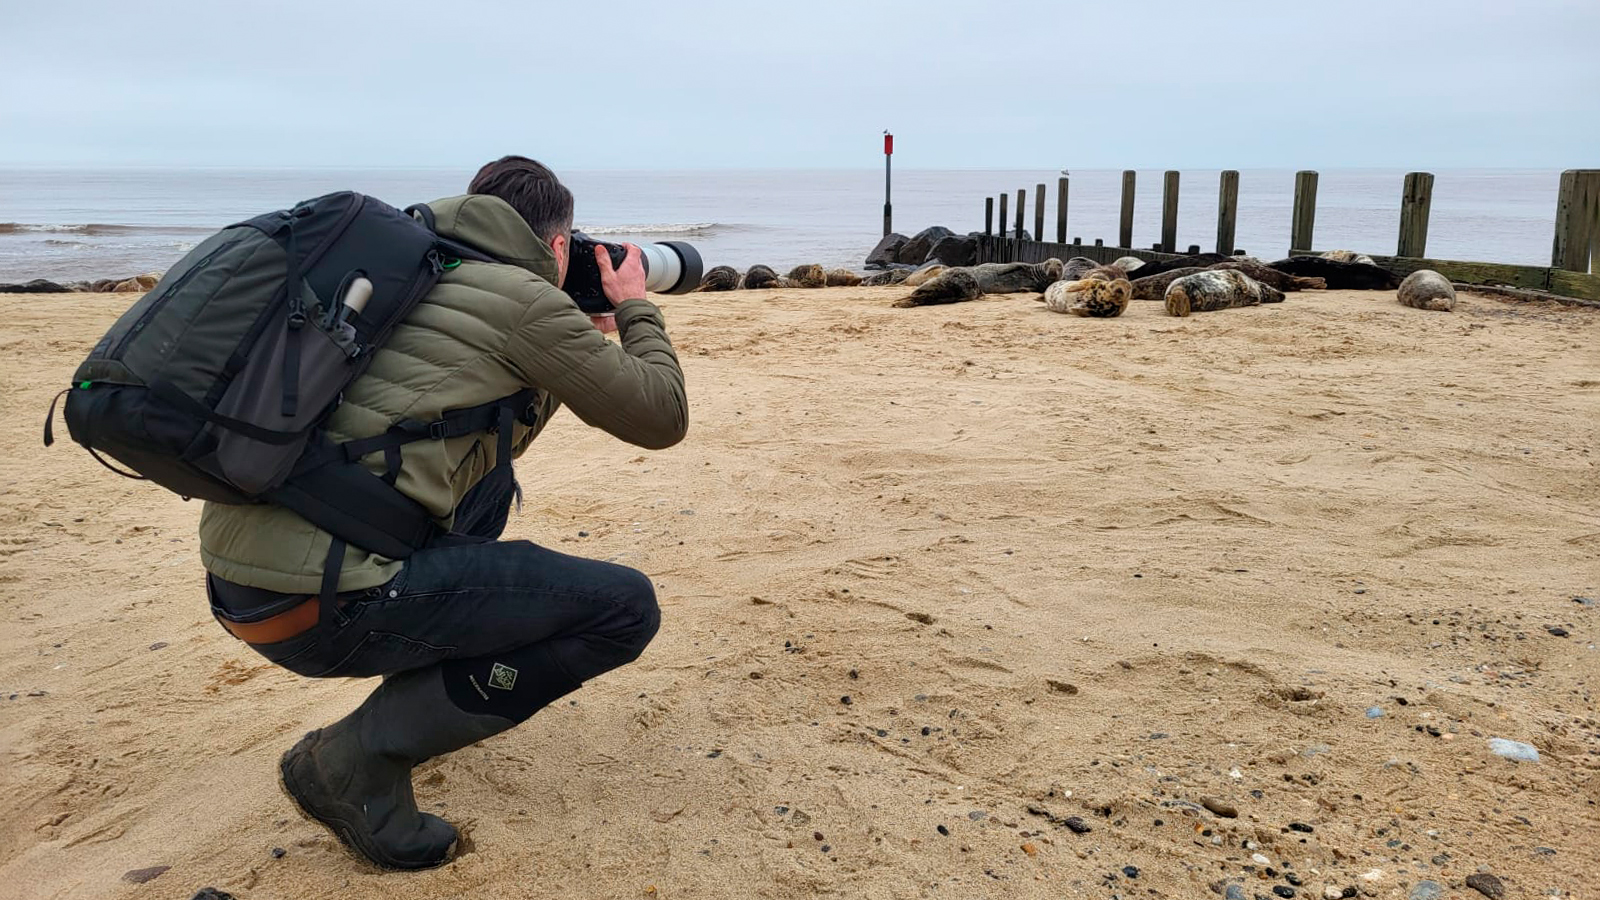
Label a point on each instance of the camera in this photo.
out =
(670, 267)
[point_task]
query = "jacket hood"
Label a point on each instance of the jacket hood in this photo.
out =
(491, 225)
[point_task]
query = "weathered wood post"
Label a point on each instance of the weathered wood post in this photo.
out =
(1022, 209)
(1061, 210)
(1038, 212)
(1415, 201)
(988, 216)
(1577, 242)
(1169, 212)
(1003, 198)
(1305, 211)
(1227, 211)
(1125, 233)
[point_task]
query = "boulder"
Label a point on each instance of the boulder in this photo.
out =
(36, 286)
(915, 251)
(955, 251)
(885, 253)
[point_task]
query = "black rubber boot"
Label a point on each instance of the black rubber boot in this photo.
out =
(354, 776)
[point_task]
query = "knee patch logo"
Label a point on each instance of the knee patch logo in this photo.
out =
(503, 677)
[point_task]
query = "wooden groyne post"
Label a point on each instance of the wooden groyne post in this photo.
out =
(1227, 211)
(988, 215)
(1415, 201)
(1022, 209)
(1003, 197)
(1061, 210)
(1305, 211)
(1577, 241)
(1125, 232)
(1038, 212)
(1169, 212)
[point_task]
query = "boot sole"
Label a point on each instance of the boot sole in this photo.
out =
(347, 833)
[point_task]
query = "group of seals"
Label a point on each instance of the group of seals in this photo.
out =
(727, 278)
(959, 283)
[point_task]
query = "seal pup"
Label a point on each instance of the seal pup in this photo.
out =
(925, 274)
(1154, 287)
(843, 278)
(890, 276)
(1077, 267)
(953, 286)
(1098, 298)
(1337, 275)
(1217, 289)
(1349, 256)
(758, 277)
(810, 276)
(989, 278)
(1265, 274)
(1427, 289)
(720, 278)
(1198, 261)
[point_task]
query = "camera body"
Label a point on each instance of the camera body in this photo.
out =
(671, 267)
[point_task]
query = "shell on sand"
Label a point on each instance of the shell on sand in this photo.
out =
(1216, 289)
(925, 274)
(1427, 289)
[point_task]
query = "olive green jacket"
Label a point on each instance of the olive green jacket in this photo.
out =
(487, 330)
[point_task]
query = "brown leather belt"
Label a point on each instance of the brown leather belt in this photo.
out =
(292, 622)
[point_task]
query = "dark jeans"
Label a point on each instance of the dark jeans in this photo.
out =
(513, 625)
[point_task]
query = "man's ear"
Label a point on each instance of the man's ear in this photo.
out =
(560, 245)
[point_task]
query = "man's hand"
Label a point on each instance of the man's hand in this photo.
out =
(626, 283)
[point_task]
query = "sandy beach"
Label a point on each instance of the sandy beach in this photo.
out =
(962, 601)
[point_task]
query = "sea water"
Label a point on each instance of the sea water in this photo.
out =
(72, 224)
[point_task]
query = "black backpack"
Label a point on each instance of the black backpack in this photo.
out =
(216, 383)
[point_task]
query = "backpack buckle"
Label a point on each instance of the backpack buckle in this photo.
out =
(439, 430)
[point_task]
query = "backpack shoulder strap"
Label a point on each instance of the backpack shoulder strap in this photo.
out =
(334, 491)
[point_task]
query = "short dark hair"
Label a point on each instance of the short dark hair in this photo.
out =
(532, 190)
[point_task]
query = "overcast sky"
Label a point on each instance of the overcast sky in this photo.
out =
(715, 83)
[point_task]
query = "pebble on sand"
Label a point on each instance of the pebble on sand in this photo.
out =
(1374, 712)
(1487, 885)
(140, 876)
(1515, 750)
(1220, 807)
(1426, 890)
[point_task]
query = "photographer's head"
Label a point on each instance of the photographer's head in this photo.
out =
(537, 195)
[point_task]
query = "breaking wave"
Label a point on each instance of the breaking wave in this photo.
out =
(97, 229)
(668, 228)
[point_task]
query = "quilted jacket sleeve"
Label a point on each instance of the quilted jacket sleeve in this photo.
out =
(634, 391)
